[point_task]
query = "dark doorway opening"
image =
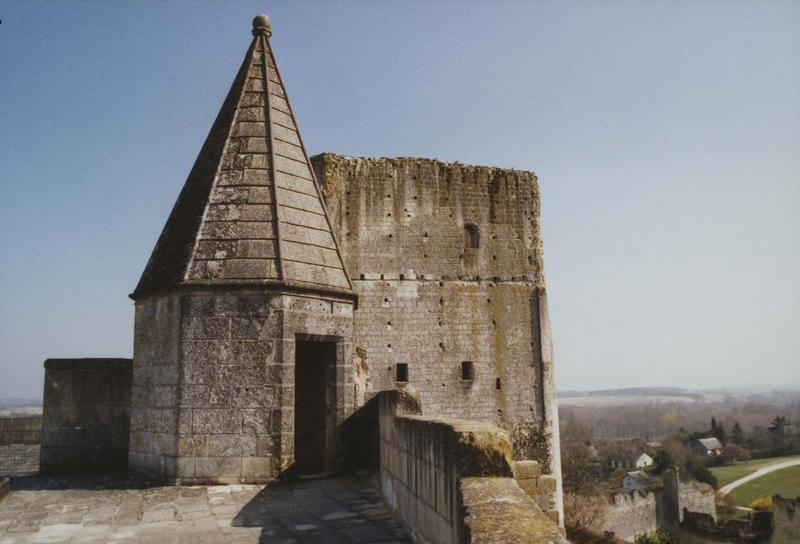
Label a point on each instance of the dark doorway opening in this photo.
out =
(314, 406)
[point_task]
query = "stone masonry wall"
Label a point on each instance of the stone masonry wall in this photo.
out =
(631, 514)
(85, 415)
(434, 326)
(20, 430)
(540, 487)
(449, 481)
(418, 475)
(229, 402)
(429, 302)
(786, 520)
(154, 392)
(698, 498)
(395, 215)
(213, 381)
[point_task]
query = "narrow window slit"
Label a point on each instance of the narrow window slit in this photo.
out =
(401, 371)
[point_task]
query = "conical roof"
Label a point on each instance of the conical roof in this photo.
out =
(251, 211)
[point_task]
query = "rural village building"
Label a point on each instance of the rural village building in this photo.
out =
(706, 446)
(644, 460)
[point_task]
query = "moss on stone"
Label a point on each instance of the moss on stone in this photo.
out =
(496, 510)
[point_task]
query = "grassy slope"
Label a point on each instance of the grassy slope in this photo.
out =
(726, 475)
(784, 482)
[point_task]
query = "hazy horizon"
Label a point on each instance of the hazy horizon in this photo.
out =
(665, 137)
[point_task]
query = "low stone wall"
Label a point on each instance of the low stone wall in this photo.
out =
(86, 415)
(785, 520)
(678, 497)
(451, 481)
(631, 514)
(20, 430)
(698, 498)
(781, 526)
(19, 445)
(540, 487)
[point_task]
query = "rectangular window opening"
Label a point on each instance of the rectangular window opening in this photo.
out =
(497, 384)
(467, 370)
(401, 371)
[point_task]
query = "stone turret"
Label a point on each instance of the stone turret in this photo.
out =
(244, 310)
(250, 213)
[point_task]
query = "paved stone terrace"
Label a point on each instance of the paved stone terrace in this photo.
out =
(97, 509)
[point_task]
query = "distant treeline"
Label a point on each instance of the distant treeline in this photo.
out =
(657, 420)
(18, 403)
(635, 392)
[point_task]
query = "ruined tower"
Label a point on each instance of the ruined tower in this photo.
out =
(447, 261)
(243, 328)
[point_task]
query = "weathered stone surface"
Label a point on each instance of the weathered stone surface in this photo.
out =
(257, 468)
(233, 197)
(450, 481)
(232, 445)
(86, 414)
(234, 356)
(429, 302)
(100, 510)
(498, 511)
(5, 487)
(524, 470)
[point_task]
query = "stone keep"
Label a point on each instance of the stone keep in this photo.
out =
(249, 350)
(244, 290)
(447, 262)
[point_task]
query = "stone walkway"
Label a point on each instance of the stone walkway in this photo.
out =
(346, 510)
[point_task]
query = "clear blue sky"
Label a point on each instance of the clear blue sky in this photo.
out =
(666, 136)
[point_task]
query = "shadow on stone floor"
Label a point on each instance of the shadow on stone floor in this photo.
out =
(99, 508)
(89, 482)
(346, 509)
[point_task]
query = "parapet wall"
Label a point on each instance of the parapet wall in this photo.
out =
(86, 415)
(451, 481)
(20, 430)
(542, 488)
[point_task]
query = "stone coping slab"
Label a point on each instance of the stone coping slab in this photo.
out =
(497, 511)
(88, 363)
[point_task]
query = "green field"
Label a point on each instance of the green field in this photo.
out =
(784, 482)
(726, 475)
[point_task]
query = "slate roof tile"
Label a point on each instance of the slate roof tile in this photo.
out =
(251, 210)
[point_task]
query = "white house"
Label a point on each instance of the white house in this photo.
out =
(629, 460)
(644, 460)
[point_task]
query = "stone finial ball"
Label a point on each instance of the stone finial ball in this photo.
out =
(262, 23)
